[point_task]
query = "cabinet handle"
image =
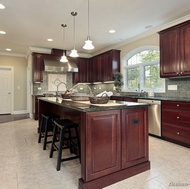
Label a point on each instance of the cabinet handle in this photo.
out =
(177, 133)
(177, 117)
(177, 105)
(135, 122)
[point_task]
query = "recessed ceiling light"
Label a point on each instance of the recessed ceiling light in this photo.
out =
(7, 49)
(50, 40)
(2, 6)
(112, 31)
(2, 32)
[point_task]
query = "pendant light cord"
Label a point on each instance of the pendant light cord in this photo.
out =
(64, 26)
(88, 18)
(74, 14)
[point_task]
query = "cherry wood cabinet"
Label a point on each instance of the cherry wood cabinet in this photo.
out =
(176, 122)
(38, 68)
(104, 65)
(103, 147)
(114, 142)
(83, 74)
(175, 51)
(99, 68)
(35, 106)
(134, 136)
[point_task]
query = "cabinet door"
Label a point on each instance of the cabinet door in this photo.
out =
(82, 75)
(169, 53)
(110, 64)
(185, 49)
(103, 134)
(134, 136)
(38, 68)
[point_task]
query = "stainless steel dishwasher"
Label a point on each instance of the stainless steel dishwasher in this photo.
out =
(154, 116)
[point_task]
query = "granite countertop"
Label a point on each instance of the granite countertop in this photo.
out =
(185, 99)
(86, 106)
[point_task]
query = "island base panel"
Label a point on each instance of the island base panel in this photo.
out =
(114, 177)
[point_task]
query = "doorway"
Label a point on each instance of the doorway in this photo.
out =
(6, 90)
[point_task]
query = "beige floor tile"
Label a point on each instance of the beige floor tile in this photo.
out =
(25, 165)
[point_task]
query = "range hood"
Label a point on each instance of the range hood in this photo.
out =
(51, 65)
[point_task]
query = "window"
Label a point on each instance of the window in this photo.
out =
(142, 71)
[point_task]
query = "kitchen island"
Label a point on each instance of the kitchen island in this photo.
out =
(114, 138)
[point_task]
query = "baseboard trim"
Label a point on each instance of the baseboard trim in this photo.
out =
(20, 112)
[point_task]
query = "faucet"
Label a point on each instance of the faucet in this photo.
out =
(57, 92)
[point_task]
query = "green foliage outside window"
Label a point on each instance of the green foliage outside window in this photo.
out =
(147, 60)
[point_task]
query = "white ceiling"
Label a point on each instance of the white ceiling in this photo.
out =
(28, 23)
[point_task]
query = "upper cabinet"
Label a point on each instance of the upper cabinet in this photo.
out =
(99, 68)
(175, 51)
(38, 68)
(82, 76)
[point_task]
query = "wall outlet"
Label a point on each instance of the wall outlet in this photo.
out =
(172, 87)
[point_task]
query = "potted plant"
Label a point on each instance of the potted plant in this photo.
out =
(118, 81)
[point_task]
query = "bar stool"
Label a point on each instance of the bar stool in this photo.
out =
(46, 125)
(65, 125)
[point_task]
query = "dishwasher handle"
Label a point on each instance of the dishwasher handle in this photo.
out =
(149, 101)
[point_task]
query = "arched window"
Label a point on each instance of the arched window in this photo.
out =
(142, 71)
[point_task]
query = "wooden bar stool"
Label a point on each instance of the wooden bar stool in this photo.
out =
(73, 141)
(46, 126)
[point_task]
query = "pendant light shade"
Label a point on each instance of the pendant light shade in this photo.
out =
(74, 51)
(88, 43)
(64, 58)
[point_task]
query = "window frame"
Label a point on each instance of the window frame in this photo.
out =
(141, 67)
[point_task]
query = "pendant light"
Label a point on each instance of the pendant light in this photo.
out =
(64, 58)
(74, 51)
(88, 43)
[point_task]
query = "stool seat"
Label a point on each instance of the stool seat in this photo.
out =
(46, 126)
(61, 127)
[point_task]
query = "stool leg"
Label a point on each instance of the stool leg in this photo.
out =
(70, 143)
(46, 133)
(61, 141)
(41, 128)
(78, 143)
(53, 141)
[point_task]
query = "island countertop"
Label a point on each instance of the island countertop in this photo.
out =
(86, 106)
(113, 138)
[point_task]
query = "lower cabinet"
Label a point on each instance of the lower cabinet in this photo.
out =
(134, 137)
(118, 140)
(176, 122)
(103, 144)
(35, 106)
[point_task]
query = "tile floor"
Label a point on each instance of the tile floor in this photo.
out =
(24, 165)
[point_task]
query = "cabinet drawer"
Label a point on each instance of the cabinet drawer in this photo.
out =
(176, 105)
(176, 117)
(176, 133)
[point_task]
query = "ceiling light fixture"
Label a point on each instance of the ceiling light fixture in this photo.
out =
(74, 51)
(2, 6)
(7, 49)
(2, 32)
(64, 58)
(50, 40)
(88, 43)
(112, 31)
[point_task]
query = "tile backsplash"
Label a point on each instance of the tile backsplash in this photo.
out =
(183, 87)
(39, 88)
